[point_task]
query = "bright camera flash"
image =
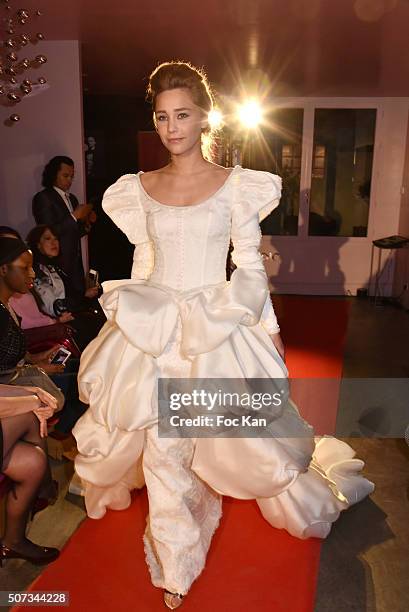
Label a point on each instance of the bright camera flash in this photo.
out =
(250, 114)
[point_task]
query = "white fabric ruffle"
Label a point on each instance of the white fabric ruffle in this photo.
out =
(219, 338)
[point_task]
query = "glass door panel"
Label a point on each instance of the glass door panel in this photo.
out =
(341, 171)
(277, 148)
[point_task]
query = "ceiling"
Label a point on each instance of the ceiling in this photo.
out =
(295, 47)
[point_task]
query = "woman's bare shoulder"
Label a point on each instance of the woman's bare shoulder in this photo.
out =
(150, 179)
(219, 170)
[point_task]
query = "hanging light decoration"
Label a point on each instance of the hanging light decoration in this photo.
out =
(13, 97)
(12, 67)
(26, 89)
(40, 59)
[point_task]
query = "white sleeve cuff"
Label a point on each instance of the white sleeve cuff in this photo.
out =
(268, 318)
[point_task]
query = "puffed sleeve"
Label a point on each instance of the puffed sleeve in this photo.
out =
(256, 195)
(122, 203)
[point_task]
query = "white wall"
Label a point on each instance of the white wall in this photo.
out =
(401, 277)
(51, 124)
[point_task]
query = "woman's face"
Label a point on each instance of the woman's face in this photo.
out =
(19, 274)
(49, 244)
(179, 121)
(64, 178)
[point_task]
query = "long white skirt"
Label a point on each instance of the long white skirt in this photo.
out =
(183, 510)
(300, 483)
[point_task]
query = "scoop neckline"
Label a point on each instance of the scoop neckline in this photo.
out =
(213, 195)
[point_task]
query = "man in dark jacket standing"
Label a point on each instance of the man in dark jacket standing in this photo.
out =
(70, 220)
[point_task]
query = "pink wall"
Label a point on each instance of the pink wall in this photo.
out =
(401, 276)
(51, 124)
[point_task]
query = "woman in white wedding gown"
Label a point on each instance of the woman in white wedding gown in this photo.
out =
(179, 317)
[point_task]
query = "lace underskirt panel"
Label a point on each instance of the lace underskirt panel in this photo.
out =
(183, 510)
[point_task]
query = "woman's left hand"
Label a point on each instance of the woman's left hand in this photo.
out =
(43, 360)
(44, 356)
(279, 344)
(43, 422)
(51, 368)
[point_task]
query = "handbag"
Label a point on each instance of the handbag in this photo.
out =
(33, 376)
(42, 338)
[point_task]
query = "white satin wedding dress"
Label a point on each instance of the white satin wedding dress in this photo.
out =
(179, 317)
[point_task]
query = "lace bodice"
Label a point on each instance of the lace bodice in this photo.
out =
(185, 247)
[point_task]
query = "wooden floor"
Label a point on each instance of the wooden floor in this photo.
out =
(365, 561)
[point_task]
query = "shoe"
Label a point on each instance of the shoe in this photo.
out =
(39, 505)
(45, 555)
(172, 600)
(53, 499)
(76, 487)
(59, 435)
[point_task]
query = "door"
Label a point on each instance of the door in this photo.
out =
(318, 241)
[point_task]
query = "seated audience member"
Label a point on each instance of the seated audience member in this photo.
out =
(25, 305)
(57, 207)
(52, 283)
(56, 291)
(9, 232)
(28, 310)
(23, 455)
(16, 276)
(37, 325)
(41, 331)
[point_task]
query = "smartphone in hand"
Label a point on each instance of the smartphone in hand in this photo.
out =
(93, 278)
(61, 356)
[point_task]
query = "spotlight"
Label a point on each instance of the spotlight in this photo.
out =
(250, 114)
(215, 119)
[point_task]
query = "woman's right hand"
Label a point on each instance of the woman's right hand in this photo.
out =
(82, 211)
(65, 317)
(92, 292)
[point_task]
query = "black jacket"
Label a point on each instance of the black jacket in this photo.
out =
(49, 208)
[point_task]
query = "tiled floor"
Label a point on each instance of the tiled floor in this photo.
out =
(365, 561)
